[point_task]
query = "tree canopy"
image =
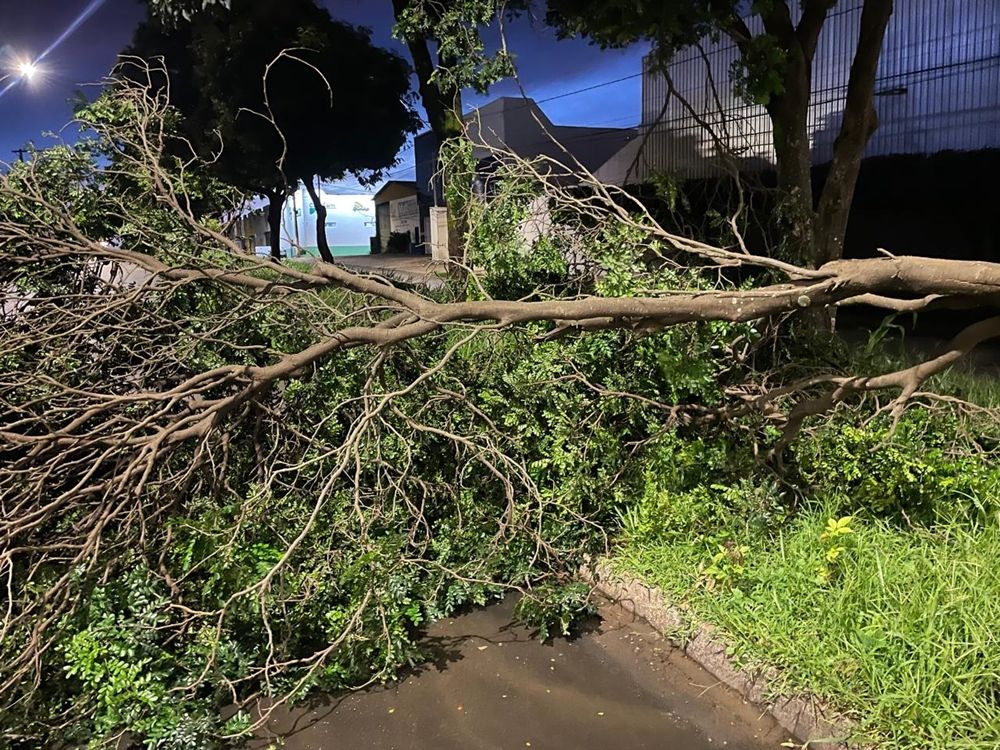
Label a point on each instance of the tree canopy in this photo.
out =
(619, 23)
(292, 93)
(174, 11)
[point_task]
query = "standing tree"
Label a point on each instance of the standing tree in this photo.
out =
(446, 48)
(292, 93)
(449, 55)
(777, 66)
(433, 33)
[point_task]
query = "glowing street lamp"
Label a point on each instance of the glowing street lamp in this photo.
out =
(26, 70)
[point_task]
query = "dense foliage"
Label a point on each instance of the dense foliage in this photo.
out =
(866, 572)
(500, 467)
(118, 657)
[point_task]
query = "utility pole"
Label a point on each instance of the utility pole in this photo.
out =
(20, 153)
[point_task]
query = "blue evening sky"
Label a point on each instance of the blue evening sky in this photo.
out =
(84, 37)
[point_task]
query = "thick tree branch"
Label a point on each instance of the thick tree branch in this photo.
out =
(907, 381)
(814, 13)
(778, 21)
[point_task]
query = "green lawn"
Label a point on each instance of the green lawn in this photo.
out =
(904, 636)
(339, 250)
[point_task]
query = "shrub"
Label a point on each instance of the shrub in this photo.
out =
(399, 242)
(919, 468)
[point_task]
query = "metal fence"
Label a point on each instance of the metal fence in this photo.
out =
(938, 88)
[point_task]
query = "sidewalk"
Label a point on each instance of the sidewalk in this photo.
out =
(410, 269)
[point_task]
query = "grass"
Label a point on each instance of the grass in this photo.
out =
(904, 637)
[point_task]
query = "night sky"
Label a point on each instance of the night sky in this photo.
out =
(547, 67)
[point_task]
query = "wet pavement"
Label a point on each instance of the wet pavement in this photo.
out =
(494, 687)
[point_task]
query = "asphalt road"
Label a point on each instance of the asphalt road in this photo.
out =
(493, 687)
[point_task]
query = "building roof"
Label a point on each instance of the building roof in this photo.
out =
(394, 189)
(519, 125)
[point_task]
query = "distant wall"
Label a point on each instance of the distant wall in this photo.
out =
(944, 205)
(350, 222)
(937, 88)
(941, 205)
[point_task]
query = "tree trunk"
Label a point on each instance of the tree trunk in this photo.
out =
(794, 164)
(859, 123)
(443, 106)
(444, 115)
(321, 242)
(275, 203)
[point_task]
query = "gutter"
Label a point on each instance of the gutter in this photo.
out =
(809, 719)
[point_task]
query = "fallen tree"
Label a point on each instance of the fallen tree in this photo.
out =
(154, 377)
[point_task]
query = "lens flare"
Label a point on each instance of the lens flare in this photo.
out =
(26, 70)
(77, 22)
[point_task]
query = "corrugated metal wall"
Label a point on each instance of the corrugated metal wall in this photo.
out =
(938, 88)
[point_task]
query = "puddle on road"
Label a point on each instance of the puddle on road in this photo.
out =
(496, 688)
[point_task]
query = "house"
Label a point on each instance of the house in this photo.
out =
(937, 89)
(517, 125)
(350, 219)
(397, 212)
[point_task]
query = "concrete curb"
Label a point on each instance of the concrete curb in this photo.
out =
(804, 716)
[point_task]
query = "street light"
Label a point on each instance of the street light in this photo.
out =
(25, 70)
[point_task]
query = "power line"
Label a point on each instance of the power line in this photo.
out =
(401, 171)
(554, 141)
(528, 101)
(588, 88)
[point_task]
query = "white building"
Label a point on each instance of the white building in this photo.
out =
(937, 89)
(350, 223)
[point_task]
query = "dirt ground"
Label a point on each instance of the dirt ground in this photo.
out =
(494, 687)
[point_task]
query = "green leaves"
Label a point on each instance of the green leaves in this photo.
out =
(116, 655)
(617, 23)
(456, 26)
(836, 539)
(552, 609)
(514, 264)
(836, 528)
(173, 11)
(910, 469)
(726, 565)
(758, 74)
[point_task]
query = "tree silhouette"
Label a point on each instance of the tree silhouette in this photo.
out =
(293, 93)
